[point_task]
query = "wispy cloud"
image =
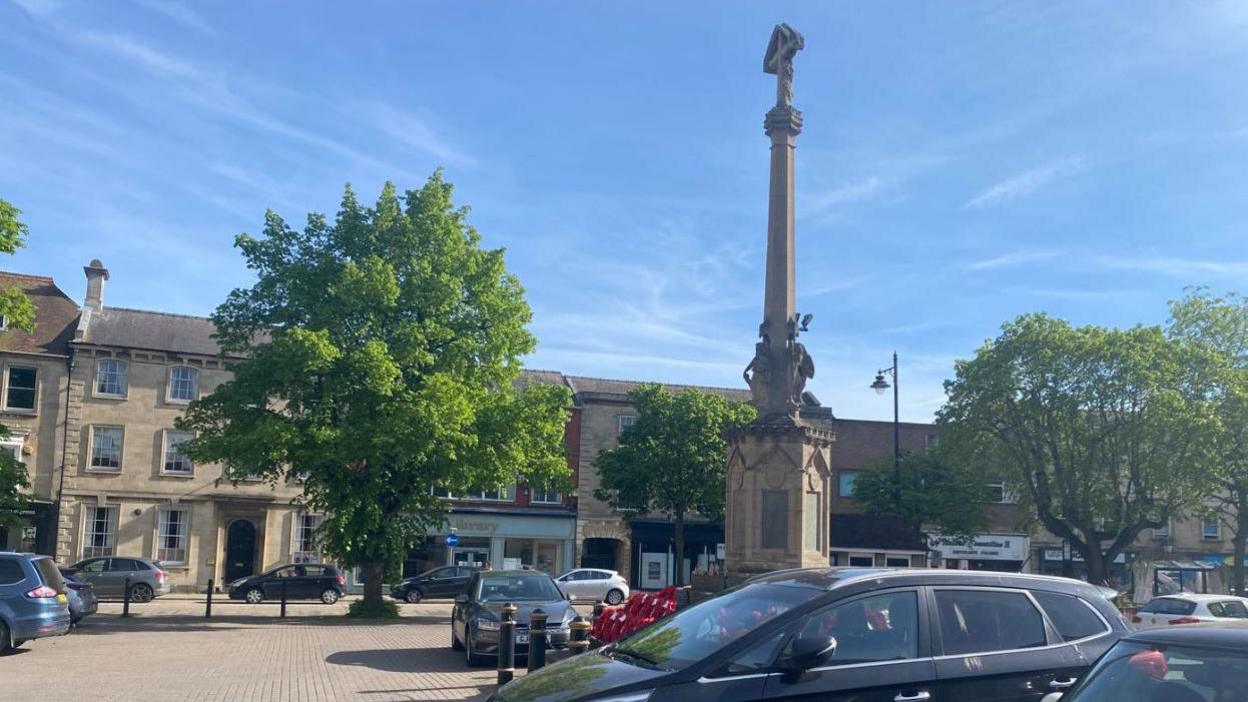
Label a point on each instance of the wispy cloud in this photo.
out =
(847, 193)
(180, 14)
(1177, 267)
(39, 8)
(137, 52)
(1013, 258)
(413, 132)
(1026, 182)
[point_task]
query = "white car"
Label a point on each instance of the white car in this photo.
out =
(593, 584)
(1187, 608)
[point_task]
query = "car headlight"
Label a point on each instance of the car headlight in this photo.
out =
(487, 624)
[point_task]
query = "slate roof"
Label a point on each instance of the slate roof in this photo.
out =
(56, 315)
(605, 386)
(152, 331)
(870, 532)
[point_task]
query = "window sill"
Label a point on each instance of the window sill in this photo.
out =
(101, 396)
(105, 471)
(164, 474)
(22, 411)
(179, 403)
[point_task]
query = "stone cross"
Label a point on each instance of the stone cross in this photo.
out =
(777, 375)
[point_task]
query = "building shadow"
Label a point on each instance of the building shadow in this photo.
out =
(406, 660)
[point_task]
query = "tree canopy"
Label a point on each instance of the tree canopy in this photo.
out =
(1219, 327)
(1104, 431)
(672, 460)
(381, 353)
(19, 313)
(936, 491)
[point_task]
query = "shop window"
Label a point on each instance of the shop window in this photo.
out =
(172, 535)
(20, 390)
(99, 533)
(861, 561)
(897, 561)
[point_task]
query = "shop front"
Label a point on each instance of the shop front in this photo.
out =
(1066, 562)
(997, 552)
(654, 552)
(499, 540)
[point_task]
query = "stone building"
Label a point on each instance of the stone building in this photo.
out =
(34, 376)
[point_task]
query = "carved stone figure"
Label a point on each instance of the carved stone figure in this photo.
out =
(803, 370)
(758, 373)
(778, 61)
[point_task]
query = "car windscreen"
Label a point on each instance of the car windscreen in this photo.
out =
(696, 632)
(49, 573)
(509, 588)
(1144, 672)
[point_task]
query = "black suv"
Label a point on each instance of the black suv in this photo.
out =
(447, 581)
(865, 635)
(302, 581)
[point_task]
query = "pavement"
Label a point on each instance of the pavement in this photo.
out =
(167, 650)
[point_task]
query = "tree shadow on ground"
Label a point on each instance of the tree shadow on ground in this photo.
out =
(407, 660)
(113, 623)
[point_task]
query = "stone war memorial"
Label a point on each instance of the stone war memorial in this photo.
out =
(778, 467)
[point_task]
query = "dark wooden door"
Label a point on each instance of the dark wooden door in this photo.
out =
(240, 550)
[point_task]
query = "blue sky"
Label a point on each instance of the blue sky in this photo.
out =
(962, 162)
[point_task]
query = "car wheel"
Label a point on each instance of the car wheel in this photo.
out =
(471, 657)
(254, 596)
(455, 644)
(4, 637)
(141, 592)
(614, 597)
(412, 596)
(329, 595)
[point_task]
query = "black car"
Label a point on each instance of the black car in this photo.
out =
(475, 618)
(1175, 664)
(447, 581)
(842, 634)
(302, 581)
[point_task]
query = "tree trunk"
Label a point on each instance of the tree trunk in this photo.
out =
(1098, 569)
(1238, 548)
(374, 572)
(679, 576)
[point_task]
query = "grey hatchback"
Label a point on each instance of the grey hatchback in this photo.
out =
(108, 576)
(33, 603)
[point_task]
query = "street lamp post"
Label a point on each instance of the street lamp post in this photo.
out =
(879, 386)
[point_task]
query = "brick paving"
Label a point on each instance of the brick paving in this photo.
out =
(168, 651)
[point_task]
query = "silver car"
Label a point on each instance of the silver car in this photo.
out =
(108, 577)
(594, 584)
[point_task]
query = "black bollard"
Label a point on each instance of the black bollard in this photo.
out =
(208, 601)
(507, 645)
(125, 597)
(283, 598)
(578, 638)
(537, 639)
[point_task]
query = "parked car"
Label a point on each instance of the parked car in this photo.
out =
(475, 618)
(851, 634)
(447, 581)
(108, 576)
(1186, 608)
(33, 603)
(594, 584)
(303, 581)
(82, 599)
(1183, 664)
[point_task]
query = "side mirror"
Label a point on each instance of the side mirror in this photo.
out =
(812, 651)
(1051, 697)
(461, 599)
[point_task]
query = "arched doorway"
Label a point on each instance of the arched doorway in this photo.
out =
(240, 550)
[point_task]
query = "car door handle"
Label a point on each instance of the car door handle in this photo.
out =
(923, 696)
(1063, 684)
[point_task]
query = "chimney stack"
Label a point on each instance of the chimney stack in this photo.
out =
(96, 275)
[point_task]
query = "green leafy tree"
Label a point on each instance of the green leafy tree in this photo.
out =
(672, 459)
(381, 356)
(1105, 431)
(18, 313)
(934, 492)
(1219, 326)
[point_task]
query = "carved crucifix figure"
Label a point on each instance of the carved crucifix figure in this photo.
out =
(785, 43)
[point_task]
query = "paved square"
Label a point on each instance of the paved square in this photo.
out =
(167, 652)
